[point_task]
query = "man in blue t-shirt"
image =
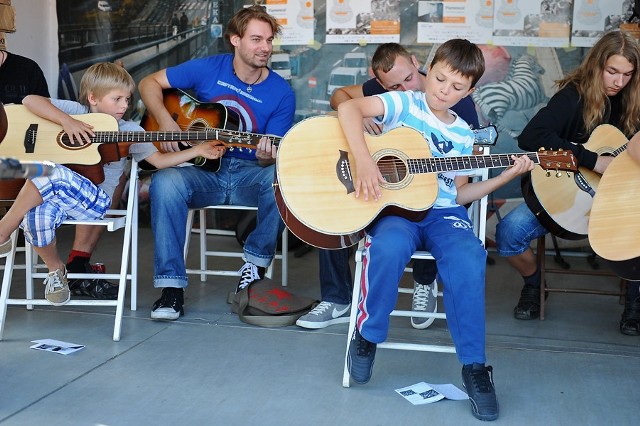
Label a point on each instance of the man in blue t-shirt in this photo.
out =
(262, 103)
(395, 69)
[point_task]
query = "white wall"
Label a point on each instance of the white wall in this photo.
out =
(36, 36)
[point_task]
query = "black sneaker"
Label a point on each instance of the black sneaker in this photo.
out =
(249, 273)
(478, 382)
(96, 288)
(362, 353)
(528, 306)
(169, 306)
(630, 322)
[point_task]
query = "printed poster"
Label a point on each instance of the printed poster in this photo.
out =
(363, 21)
(296, 18)
(538, 23)
(593, 18)
(439, 21)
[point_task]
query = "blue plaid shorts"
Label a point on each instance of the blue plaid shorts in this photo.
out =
(66, 195)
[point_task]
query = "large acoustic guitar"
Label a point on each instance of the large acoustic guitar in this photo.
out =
(211, 118)
(562, 201)
(614, 228)
(315, 175)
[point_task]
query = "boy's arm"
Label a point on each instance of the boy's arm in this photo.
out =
(76, 129)
(471, 191)
(343, 94)
(367, 176)
(209, 150)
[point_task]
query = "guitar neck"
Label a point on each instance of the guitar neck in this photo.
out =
(468, 162)
(229, 137)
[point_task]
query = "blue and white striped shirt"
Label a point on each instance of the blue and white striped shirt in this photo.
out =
(410, 109)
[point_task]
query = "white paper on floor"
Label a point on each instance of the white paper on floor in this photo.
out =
(426, 393)
(56, 346)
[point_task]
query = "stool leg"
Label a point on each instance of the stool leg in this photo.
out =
(541, 266)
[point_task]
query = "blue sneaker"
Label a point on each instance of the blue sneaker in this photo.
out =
(362, 353)
(478, 382)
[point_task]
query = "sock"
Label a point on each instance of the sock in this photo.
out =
(533, 279)
(78, 260)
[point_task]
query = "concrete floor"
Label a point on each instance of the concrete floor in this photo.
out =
(209, 368)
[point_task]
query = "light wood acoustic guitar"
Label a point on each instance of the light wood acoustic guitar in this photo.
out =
(315, 175)
(212, 119)
(32, 138)
(562, 201)
(614, 228)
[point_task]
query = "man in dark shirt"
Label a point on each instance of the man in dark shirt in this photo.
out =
(19, 77)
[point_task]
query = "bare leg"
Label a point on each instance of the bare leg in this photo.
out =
(49, 255)
(87, 236)
(525, 263)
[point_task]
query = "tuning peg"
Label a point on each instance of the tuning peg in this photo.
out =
(558, 174)
(542, 149)
(548, 173)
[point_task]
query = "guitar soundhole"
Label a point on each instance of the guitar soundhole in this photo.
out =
(197, 126)
(65, 141)
(393, 169)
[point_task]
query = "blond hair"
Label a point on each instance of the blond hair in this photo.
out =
(103, 77)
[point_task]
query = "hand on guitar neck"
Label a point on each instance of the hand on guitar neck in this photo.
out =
(602, 163)
(208, 121)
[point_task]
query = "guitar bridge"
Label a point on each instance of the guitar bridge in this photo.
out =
(583, 184)
(30, 138)
(343, 172)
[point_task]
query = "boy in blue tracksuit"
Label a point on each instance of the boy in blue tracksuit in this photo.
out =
(446, 230)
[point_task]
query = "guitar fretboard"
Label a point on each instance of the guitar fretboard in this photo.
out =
(466, 162)
(231, 137)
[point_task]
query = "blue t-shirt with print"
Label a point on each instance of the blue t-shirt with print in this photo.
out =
(410, 109)
(267, 108)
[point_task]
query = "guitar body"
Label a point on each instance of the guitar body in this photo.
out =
(47, 144)
(315, 185)
(614, 228)
(32, 138)
(191, 114)
(559, 203)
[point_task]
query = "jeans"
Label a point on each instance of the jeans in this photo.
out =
(516, 230)
(175, 190)
(461, 258)
(335, 274)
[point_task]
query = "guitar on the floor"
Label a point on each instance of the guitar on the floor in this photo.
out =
(562, 202)
(213, 120)
(315, 179)
(614, 228)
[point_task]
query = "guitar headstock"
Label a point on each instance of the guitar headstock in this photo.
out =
(485, 136)
(557, 161)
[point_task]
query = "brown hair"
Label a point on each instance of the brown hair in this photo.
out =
(461, 56)
(384, 58)
(103, 77)
(587, 79)
(239, 22)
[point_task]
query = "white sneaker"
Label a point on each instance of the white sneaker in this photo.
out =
(324, 315)
(425, 299)
(56, 289)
